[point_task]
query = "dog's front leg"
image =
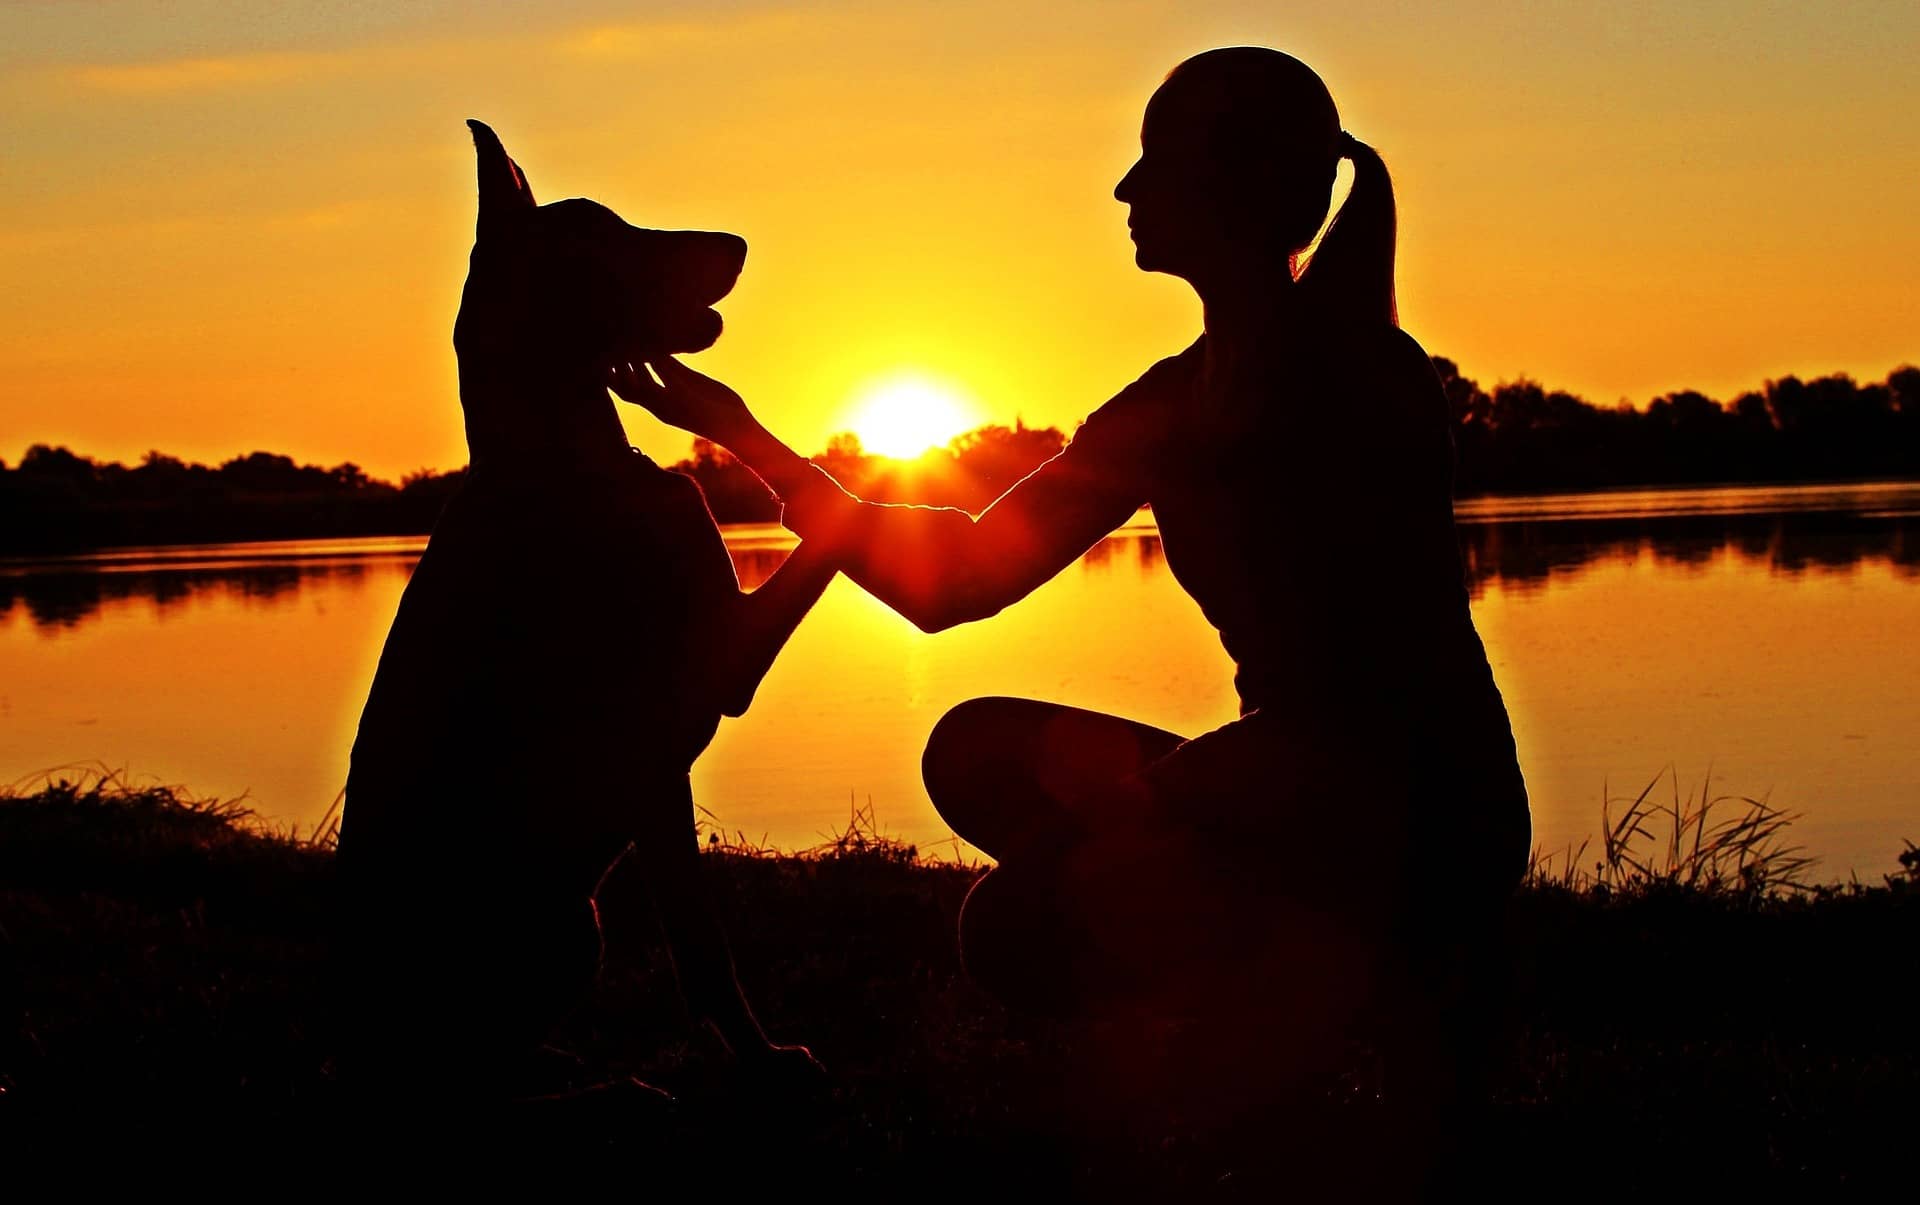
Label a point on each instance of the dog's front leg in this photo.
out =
(668, 857)
(761, 622)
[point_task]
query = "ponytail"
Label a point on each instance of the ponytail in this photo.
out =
(1351, 272)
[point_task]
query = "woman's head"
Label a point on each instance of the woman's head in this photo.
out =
(1238, 151)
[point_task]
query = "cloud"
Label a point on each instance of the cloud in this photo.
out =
(655, 39)
(645, 40)
(171, 76)
(25, 239)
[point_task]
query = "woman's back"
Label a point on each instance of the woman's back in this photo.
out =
(1303, 495)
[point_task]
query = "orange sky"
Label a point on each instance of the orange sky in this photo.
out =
(227, 227)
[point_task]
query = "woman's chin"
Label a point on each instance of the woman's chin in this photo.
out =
(1148, 261)
(1149, 257)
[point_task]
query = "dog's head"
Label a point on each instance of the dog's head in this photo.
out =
(566, 289)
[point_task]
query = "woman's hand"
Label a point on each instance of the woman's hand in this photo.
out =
(683, 398)
(712, 411)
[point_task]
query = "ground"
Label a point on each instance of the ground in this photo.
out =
(165, 969)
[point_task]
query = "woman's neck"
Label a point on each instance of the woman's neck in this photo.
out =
(1246, 304)
(1245, 309)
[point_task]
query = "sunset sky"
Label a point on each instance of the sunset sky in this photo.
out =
(226, 227)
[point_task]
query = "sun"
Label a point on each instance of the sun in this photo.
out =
(902, 416)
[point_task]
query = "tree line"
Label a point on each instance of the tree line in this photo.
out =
(1524, 438)
(1518, 437)
(56, 500)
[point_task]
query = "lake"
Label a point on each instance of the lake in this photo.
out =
(1762, 637)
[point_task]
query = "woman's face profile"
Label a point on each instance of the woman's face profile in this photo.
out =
(1171, 193)
(1197, 200)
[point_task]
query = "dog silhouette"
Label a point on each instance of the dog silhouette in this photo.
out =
(561, 655)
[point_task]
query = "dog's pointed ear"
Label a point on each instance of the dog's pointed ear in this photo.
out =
(503, 187)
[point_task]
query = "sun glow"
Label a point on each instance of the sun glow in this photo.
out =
(903, 416)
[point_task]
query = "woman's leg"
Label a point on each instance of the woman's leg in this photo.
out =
(1025, 781)
(1010, 774)
(1262, 845)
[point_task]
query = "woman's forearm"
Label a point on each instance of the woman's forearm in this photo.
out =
(938, 566)
(919, 560)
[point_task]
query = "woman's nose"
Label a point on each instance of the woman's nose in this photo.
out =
(1123, 191)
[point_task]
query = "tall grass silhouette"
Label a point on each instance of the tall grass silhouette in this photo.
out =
(1702, 840)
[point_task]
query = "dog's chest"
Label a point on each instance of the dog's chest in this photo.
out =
(535, 562)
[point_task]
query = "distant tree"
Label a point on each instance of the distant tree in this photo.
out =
(733, 492)
(427, 481)
(350, 478)
(57, 464)
(1466, 401)
(994, 457)
(262, 473)
(161, 466)
(1903, 384)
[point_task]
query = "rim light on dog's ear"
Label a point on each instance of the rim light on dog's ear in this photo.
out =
(503, 186)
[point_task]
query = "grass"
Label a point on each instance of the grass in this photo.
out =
(1689, 1013)
(1714, 843)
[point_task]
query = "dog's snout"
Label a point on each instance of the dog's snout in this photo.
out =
(696, 267)
(732, 248)
(715, 261)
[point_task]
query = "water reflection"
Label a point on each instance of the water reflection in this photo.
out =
(1135, 544)
(60, 600)
(1527, 554)
(1521, 543)
(1628, 631)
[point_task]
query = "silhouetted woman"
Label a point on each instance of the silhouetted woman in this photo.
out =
(1298, 460)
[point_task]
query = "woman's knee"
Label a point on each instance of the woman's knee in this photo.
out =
(995, 742)
(977, 771)
(968, 734)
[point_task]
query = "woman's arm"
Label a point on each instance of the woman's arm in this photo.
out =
(938, 566)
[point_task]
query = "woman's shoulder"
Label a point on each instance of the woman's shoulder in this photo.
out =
(1384, 367)
(1405, 361)
(1140, 415)
(1369, 353)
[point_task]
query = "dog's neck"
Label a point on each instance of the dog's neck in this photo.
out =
(521, 420)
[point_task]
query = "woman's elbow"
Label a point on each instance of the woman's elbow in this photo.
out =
(932, 621)
(932, 614)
